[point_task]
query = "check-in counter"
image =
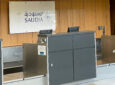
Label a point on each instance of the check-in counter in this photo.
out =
(63, 58)
(57, 59)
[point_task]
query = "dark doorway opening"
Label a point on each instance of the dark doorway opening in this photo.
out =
(112, 16)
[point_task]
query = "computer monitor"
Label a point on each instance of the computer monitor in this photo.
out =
(73, 29)
(45, 32)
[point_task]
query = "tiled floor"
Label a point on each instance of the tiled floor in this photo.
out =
(102, 82)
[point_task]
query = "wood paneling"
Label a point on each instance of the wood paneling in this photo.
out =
(65, 15)
(7, 38)
(108, 22)
(103, 16)
(88, 14)
(0, 20)
(57, 5)
(78, 14)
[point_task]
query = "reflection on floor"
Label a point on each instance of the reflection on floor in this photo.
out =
(99, 62)
(103, 82)
(13, 76)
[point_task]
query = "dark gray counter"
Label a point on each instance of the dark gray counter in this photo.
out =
(72, 57)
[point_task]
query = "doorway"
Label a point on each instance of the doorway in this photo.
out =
(112, 16)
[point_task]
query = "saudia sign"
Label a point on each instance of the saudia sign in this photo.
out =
(31, 16)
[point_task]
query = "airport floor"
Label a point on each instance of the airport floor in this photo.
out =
(102, 82)
(105, 76)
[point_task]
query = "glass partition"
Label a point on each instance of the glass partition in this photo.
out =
(106, 50)
(34, 64)
(99, 51)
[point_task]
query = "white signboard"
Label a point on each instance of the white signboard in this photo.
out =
(31, 16)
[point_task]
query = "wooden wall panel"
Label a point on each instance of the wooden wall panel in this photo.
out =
(34, 37)
(8, 40)
(88, 14)
(0, 20)
(102, 18)
(78, 17)
(108, 22)
(57, 5)
(25, 38)
(65, 15)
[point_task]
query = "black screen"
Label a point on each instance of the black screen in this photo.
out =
(45, 32)
(73, 29)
